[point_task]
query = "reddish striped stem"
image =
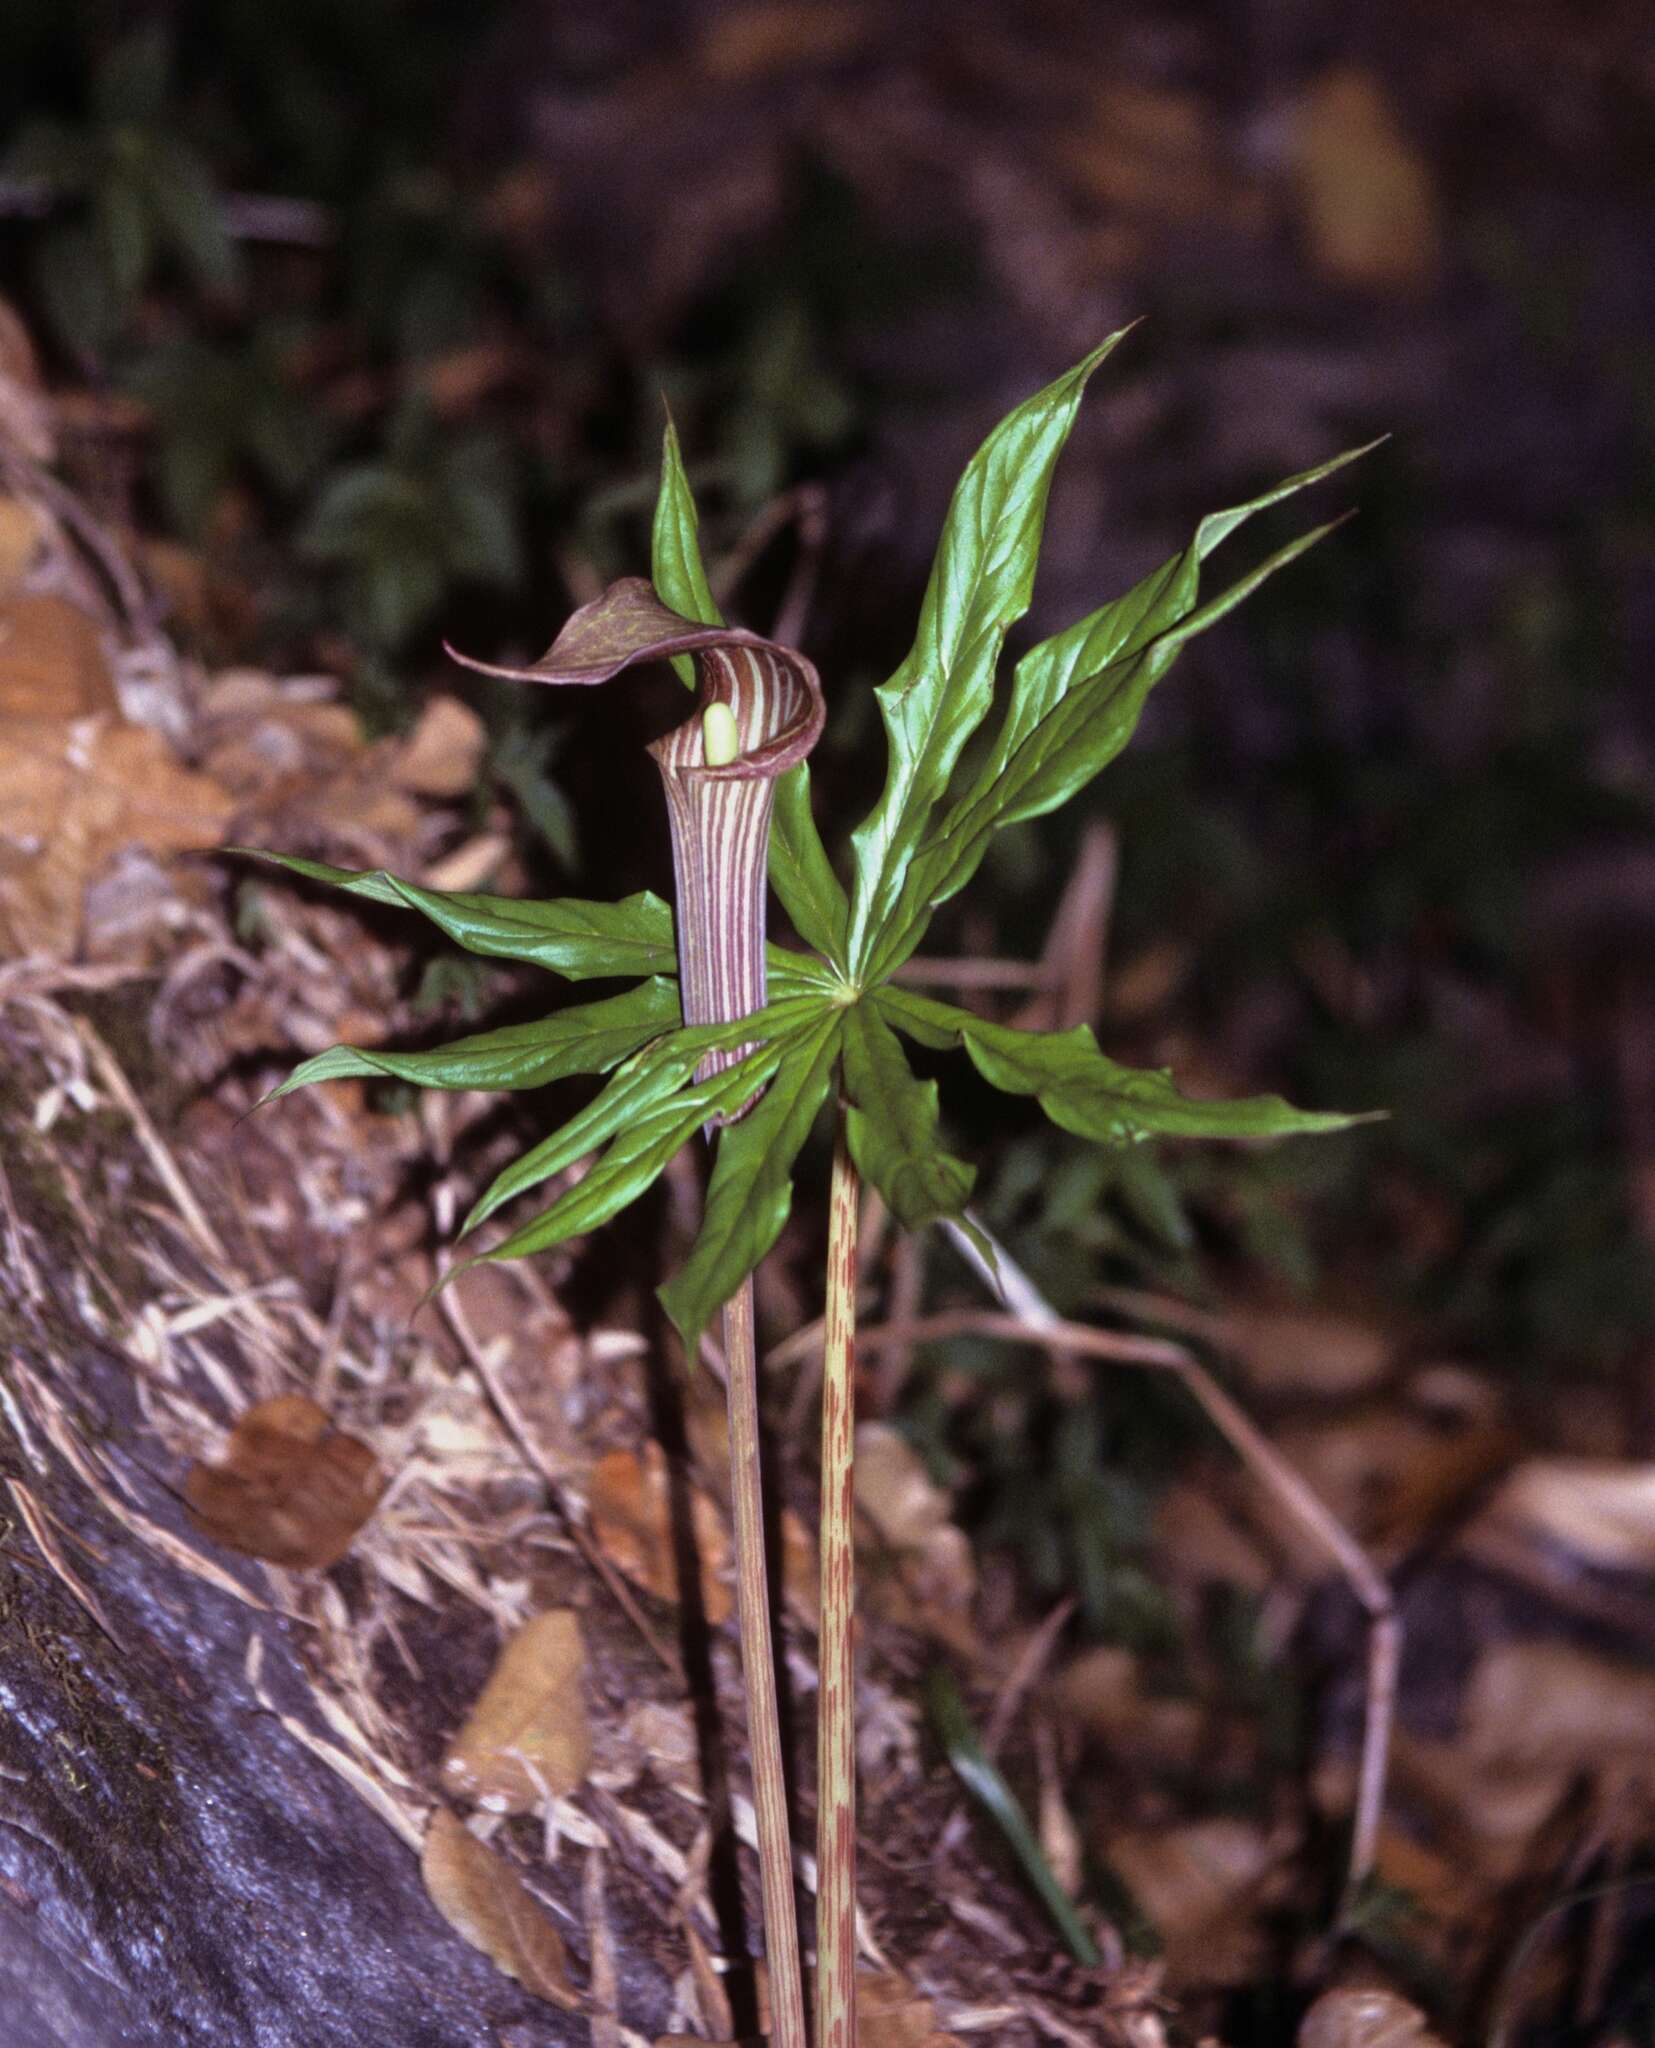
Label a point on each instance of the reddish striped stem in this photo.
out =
(758, 1670)
(836, 1701)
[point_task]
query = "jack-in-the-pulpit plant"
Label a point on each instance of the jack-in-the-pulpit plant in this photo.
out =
(757, 1041)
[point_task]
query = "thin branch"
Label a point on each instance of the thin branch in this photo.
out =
(1274, 1472)
(1077, 940)
(973, 972)
(500, 1398)
(1032, 1660)
(247, 216)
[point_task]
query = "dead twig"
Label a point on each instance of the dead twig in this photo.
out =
(166, 1168)
(805, 506)
(1274, 1472)
(512, 1417)
(1036, 1654)
(1077, 940)
(38, 1524)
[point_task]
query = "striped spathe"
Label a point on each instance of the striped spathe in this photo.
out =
(719, 817)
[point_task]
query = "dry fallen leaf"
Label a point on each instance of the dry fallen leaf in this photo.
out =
(1308, 1351)
(801, 1569)
(52, 662)
(20, 538)
(484, 1900)
(893, 1488)
(1389, 1473)
(304, 761)
(755, 41)
(440, 757)
(1103, 1690)
(1364, 2019)
(1202, 1885)
(1604, 1513)
(911, 1513)
(633, 1519)
(291, 1489)
(1551, 1704)
(657, 1735)
(1199, 1541)
(25, 410)
(73, 794)
(528, 1734)
(1365, 191)
(1149, 151)
(892, 2014)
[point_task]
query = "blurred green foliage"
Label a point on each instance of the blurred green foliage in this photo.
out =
(426, 513)
(128, 195)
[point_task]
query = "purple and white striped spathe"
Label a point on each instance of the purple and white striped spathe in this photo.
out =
(720, 817)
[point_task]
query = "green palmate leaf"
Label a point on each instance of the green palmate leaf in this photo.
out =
(800, 872)
(752, 1182)
(675, 563)
(1127, 624)
(1074, 704)
(980, 585)
(1082, 1091)
(580, 940)
(642, 1148)
(568, 935)
(891, 1125)
(588, 1038)
(641, 1087)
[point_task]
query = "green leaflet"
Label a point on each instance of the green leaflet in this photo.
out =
(980, 1777)
(639, 1154)
(800, 872)
(582, 941)
(751, 1189)
(892, 1126)
(1074, 703)
(568, 935)
(675, 564)
(980, 585)
(640, 1088)
(1082, 1091)
(1127, 624)
(788, 973)
(588, 1038)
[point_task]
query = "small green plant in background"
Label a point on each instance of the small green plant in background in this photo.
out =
(404, 526)
(127, 197)
(721, 1033)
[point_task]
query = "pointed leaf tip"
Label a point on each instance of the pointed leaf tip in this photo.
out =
(980, 585)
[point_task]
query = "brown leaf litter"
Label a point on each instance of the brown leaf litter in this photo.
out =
(527, 1738)
(485, 1900)
(290, 1488)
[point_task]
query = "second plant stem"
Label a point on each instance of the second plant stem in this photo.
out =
(836, 1700)
(758, 1664)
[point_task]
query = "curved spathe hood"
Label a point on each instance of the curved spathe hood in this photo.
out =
(720, 817)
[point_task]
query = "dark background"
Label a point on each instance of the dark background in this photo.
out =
(372, 309)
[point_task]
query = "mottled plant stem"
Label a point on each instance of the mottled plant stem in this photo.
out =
(758, 1670)
(836, 1722)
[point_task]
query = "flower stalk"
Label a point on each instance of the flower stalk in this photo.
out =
(836, 1653)
(759, 712)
